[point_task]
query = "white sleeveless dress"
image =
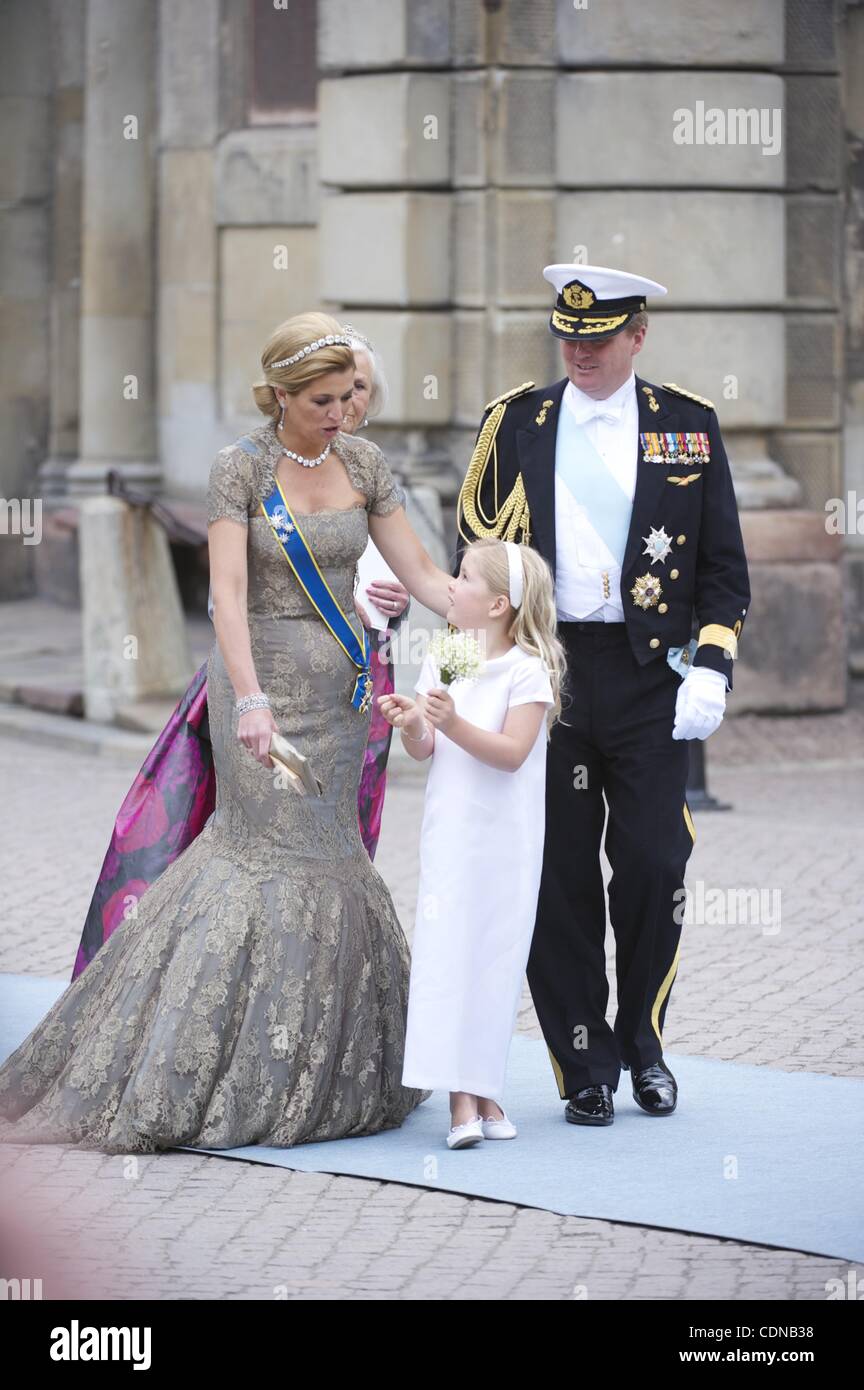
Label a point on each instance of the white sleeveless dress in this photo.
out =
(481, 856)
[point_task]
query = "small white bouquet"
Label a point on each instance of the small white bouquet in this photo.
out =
(457, 655)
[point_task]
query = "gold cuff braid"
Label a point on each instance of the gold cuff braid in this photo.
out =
(513, 515)
(719, 636)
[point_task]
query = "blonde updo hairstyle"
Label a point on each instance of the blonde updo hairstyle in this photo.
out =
(290, 337)
(534, 624)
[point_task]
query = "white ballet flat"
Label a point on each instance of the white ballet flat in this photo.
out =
(471, 1132)
(499, 1129)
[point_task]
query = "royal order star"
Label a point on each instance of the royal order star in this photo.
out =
(658, 544)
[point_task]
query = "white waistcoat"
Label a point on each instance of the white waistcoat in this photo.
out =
(588, 572)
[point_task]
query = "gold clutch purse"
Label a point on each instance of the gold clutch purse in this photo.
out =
(296, 764)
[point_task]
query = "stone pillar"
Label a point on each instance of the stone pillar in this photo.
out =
(134, 637)
(25, 236)
(56, 558)
(188, 338)
(68, 21)
(794, 660)
(118, 417)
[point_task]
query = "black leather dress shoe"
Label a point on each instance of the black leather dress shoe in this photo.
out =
(655, 1089)
(591, 1106)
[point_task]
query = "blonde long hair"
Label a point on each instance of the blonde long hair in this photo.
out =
(292, 335)
(534, 624)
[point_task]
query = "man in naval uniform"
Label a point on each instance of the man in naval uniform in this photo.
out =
(624, 487)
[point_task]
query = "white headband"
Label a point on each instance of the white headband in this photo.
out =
(514, 560)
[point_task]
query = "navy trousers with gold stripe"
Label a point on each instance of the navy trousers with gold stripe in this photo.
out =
(614, 738)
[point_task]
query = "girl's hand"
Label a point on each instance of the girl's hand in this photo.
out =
(388, 595)
(253, 730)
(403, 713)
(440, 709)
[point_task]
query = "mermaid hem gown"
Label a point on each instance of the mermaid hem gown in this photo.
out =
(257, 992)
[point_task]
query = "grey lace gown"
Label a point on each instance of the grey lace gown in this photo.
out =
(259, 996)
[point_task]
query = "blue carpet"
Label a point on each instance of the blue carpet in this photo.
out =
(751, 1154)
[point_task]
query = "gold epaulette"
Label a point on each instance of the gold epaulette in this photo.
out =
(508, 395)
(691, 395)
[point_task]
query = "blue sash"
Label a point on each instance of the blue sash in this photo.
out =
(295, 548)
(580, 467)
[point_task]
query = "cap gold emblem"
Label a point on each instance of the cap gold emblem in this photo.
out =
(577, 296)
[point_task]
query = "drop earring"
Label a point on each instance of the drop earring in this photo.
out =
(282, 418)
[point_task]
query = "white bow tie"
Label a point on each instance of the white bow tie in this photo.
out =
(609, 414)
(598, 410)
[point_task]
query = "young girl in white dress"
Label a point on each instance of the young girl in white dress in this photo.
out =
(481, 843)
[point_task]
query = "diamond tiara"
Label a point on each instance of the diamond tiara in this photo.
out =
(310, 347)
(355, 333)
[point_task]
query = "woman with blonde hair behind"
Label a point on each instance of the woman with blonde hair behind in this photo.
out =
(481, 842)
(387, 598)
(257, 992)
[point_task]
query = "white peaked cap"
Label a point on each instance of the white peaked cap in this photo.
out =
(595, 301)
(604, 282)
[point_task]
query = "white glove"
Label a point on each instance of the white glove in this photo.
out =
(700, 703)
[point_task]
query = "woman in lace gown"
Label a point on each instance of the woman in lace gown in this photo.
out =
(258, 993)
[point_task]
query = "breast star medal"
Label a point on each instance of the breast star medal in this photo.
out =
(646, 591)
(658, 545)
(282, 525)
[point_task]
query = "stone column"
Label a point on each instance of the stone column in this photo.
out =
(134, 638)
(67, 19)
(25, 237)
(118, 417)
(56, 558)
(188, 236)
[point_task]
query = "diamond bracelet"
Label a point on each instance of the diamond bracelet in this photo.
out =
(247, 702)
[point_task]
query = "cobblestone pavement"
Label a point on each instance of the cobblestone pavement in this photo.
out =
(179, 1225)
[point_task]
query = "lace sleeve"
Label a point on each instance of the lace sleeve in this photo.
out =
(385, 494)
(230, 490)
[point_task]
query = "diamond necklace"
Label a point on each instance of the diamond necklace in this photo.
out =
(307, 463)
